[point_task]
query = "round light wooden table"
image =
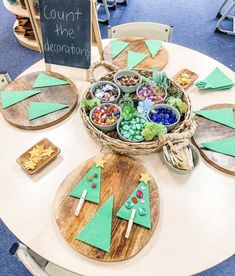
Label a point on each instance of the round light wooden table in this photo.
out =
(197, 225)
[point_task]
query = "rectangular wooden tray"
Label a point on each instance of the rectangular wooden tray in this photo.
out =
(45, 160)
(193, 77)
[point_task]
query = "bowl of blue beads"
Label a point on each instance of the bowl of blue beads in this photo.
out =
(130, 130)
(166, 114)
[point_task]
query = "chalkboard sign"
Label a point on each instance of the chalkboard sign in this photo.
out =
(66, 32)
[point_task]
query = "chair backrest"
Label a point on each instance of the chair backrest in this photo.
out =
(149, 30)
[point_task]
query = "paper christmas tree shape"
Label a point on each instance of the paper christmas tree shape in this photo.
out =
(117, 47)
(13, 97)
(153, 46)
(38, 109)
(91, 183)
(134, 58)
(138, 200)
(97, 231)
(225, 146)
(223, 116)
(44, 80)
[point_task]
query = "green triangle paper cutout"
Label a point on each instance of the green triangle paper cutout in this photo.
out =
(93, 194)
(223, 116)
(117, 47)
(38, 109)
(153, 46)
(225, 146)
(44, 80)
(134, 58)
(97, 232)
(13, 97)
(125, 213)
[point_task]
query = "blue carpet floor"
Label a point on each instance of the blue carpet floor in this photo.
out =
(194, 24)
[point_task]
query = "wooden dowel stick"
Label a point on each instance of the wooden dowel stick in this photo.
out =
(130, 223)
(80, 203)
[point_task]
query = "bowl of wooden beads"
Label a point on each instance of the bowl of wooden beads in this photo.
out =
(106, 91)
(127, 80)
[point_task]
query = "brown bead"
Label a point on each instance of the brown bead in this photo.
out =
(89, 178)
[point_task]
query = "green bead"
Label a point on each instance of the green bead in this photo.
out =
(132, 132)
(133, 127)
(137, 120)
(138, 126)
(142, 121)
(138, 137)
(126, 127)
(127, 135)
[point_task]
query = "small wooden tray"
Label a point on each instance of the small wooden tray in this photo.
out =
(193, 76)
(45, 159)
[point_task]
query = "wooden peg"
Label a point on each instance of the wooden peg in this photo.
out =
(130, 223)
(80, 203)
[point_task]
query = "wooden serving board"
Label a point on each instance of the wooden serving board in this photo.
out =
(17, 114)
(120, 176)
(193, 76)
(137, 45)
(209, 131)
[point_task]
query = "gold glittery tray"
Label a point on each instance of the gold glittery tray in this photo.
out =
(38, 156)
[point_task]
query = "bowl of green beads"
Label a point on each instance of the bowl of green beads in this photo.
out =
(130, 130)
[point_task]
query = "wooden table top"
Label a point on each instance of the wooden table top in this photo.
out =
(197, 211)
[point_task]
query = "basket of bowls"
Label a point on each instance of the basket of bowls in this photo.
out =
(135, 111)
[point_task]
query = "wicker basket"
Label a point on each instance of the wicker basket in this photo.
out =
(184, 130)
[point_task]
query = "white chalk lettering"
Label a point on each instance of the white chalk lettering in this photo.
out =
(61, 15)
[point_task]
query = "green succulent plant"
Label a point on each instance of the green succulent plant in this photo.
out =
(153, 130)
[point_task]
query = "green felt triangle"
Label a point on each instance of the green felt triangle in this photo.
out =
(13, 97)
(97, 231)
(134, 58)
(216, 80)
(225, 146)
(44, 80)
(153, 46)
(38, 109)
(223, 116)
(93, 194)
(125, 213)
(117, 47)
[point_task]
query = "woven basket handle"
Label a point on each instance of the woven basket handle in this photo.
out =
(105, 64)
(190, 128)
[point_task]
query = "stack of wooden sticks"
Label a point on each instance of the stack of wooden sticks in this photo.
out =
(179, 155)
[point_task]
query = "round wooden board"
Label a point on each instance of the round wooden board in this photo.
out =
(209, 131)
(17, 114)
(137, 45)
(120, 177)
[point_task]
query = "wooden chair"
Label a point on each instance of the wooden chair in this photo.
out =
(148, 30)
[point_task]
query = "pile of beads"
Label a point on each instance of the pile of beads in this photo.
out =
(162, 115)
(131, 130)
(106, 93)
(128, 80)
(105, 115)
(156, 93)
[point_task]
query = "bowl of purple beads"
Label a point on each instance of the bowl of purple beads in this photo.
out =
(106, 91)
(166, 114)
(156, 93)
